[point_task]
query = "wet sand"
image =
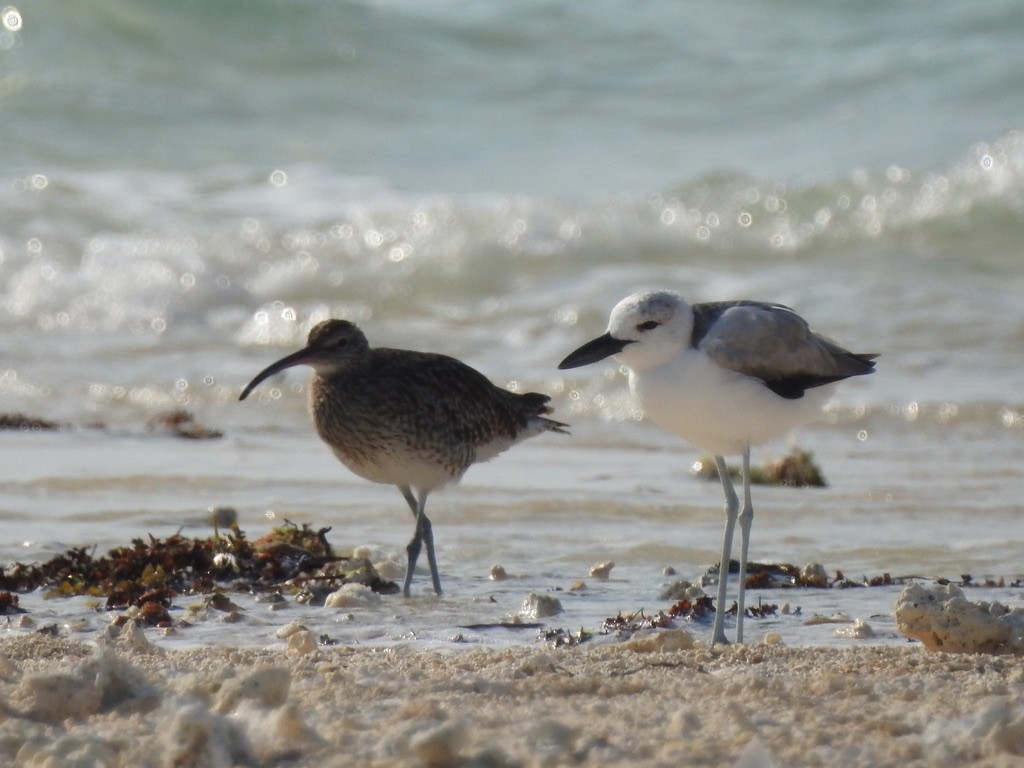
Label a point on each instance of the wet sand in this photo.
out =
(649, 701)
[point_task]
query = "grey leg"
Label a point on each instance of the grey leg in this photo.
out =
(413, 548)
(423, 534)
(746, 518)
(427, 533)
(732, 505)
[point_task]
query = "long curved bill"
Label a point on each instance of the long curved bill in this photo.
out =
(593, 351)
(302, 357)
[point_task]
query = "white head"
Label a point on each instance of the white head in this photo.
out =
(644, 330)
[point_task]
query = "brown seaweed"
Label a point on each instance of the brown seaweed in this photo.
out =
(19, 421)
(182, 423)
(150, 573)
(795, 470)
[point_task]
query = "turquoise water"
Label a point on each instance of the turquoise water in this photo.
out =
(589, 100)
(188, 187)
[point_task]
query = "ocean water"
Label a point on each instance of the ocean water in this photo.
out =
(186, 188)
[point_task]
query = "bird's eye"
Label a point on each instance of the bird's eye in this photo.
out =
(341, 343)
(648, 326)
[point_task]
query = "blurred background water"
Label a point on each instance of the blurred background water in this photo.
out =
(187, 187)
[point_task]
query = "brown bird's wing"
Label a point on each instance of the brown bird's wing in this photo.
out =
(443, 395)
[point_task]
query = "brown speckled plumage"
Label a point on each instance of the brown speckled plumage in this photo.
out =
(412, 419)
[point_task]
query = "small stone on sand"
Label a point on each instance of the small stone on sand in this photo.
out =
(539, 606)
(943, 619)
(603, 570)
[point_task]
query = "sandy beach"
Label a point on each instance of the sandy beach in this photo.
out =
(648, 701)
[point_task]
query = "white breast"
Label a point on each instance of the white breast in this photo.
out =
(719, 410)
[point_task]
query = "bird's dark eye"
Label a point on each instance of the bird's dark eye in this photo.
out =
(341, 343)
(648, 326)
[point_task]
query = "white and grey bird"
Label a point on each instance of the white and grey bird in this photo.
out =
(724, 376)
(415, 420)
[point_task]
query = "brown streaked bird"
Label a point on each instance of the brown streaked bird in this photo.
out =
(415, 420)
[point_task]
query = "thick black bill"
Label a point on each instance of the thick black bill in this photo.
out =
(296, 358)
(592, 351)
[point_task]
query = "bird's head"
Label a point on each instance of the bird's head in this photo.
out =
(331, 345)
(644, 330)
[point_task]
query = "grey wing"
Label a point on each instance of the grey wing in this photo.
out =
(772, 343)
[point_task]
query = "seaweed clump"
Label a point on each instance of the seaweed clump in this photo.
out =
(19, 421)
(627, 625)
(563, 638)
(795, 470)
(9, 604)
(149, 574)
(182, 423)
(814, 576)
(698, 608)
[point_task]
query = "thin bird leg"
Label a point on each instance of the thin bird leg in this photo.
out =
(413, 548)
(746, 518)
(423, 534)
(427, 534)
(732, 505)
